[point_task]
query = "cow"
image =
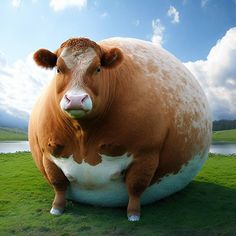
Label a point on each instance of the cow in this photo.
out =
(122, 123)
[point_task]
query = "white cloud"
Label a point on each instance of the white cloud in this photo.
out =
(174, 14)
(20, 85)
(158, 30)
(217, 75)
(3, 60)
(16, 3)
(58, 5)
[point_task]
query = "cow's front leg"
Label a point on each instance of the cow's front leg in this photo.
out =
(138, 178)
(60, 183)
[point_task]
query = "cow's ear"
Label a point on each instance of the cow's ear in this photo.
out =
(45, 58)
(111, 57)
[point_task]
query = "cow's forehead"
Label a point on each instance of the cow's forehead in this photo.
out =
(79, 51)
(81, 57)
(80, 44)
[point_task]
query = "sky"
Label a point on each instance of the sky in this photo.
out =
(200, 33)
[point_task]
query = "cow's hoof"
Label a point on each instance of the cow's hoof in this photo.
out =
(133, 218)
(56, 212)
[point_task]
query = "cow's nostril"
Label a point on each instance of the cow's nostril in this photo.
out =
(84, 98)
(67, 99)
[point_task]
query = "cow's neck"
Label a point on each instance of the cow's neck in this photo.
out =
(90, 128)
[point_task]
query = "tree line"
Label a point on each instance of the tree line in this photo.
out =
(224, 124)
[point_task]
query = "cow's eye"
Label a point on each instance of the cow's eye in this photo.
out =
(58, 71)
(98, 69)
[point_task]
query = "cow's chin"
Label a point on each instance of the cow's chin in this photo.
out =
(76, 114)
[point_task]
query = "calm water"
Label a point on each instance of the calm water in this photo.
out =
(13, 146)
(16, 146)
(223, 148)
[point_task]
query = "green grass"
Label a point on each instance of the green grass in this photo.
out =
(224, 135)
(206, 207)
(8, 134)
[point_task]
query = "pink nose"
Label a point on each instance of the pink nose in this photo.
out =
(75, 102)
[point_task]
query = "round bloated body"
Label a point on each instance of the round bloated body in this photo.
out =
(104, 185)
(158, 109)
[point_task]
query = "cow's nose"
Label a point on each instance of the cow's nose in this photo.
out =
(75, 102)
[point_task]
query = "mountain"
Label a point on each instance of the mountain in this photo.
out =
(8, 134)
(10, 121)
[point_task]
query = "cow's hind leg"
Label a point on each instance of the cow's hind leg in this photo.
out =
(138, 178)
(59, 182)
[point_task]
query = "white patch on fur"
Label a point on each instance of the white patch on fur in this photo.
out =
(96, 184)
(87, 178)
(79, 58)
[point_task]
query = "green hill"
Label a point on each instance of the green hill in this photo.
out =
(224, 136)
(9, 134)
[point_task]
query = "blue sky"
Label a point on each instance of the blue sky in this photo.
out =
(33, 24)
(195, 31)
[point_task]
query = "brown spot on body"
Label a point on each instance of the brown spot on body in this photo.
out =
(112, 149)
(54, 148)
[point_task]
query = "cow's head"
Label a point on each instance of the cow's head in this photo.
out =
(81, 66)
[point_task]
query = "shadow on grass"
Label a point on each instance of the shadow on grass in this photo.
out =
(201, 208)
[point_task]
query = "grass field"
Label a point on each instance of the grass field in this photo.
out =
(7, 134)
(206, 207)
(224, 135)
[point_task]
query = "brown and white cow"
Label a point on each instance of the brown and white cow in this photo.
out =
(122, 122)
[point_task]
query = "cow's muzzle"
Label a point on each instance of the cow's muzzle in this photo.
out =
(76, 104)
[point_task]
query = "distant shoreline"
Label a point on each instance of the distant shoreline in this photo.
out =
(10, 134)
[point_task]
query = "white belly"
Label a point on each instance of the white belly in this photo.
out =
(104, 185)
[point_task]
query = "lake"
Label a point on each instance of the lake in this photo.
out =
(17, 146)
(13, 146)
(223, 148)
